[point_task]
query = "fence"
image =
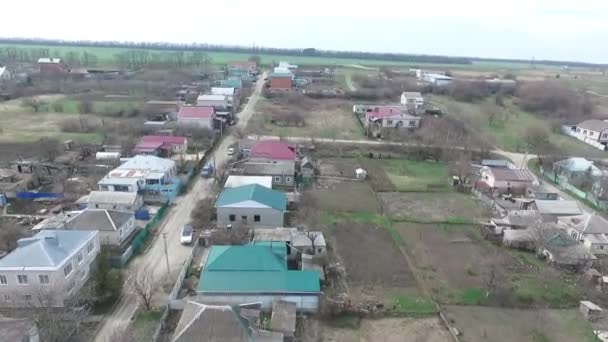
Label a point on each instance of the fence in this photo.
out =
(27, 195)
(139, 239)
(563, 183)
(121, 260)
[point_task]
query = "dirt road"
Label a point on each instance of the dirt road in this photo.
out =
(349, 83)
(154, 258)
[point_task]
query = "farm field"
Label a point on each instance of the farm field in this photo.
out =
(430, 207)
(105, 56)
(508, 127)
(327, 118)
(480, 324)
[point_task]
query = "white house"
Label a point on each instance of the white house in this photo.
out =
(437, 79)
(215, 101)
(231, 93)
(592, 132)
(114, 227)
(510, 180)
(590, 230)
(48, 268)
(413, 100)
(112, 200)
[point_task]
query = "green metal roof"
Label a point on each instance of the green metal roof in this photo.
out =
(260, 268)
(231, 83)
(253, 192)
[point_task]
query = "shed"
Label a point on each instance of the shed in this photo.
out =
(283, 319)
(551, 210)
(590, 311)
(360, 173)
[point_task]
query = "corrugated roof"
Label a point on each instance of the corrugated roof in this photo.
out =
(149, 163)
(48, 248)
(113, 197)
(254, 268)
(411, 94)
(253, 192)
(195, 112)
(211, 97)
(520, 175)
(99, 219)
(559, 207)
(593, 125)
(236, 181)
(222, 91)
(273, 149)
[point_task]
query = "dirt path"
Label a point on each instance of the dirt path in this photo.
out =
(179, 214)
(349, 83)
(359, 66)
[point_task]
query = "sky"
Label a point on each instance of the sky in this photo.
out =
(524, 29)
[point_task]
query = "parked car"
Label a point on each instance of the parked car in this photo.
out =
(207, 170)
(231, 151)
(186, 235)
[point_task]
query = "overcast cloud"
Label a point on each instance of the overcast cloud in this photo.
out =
(541, 29)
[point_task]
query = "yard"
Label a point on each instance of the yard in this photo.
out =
(427, 207)
(506, 126)
(322, 118)
(389, 330)
(480, 324)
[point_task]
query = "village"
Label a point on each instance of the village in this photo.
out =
(278, 202)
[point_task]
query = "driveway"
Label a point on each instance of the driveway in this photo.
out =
(179, 214)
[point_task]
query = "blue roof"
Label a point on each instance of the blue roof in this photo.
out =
(48, 248)
(253, 192)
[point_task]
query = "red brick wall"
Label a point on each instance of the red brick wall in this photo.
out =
(280, 83)
(51, 68)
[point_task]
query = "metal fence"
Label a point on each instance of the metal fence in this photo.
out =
(140, 238)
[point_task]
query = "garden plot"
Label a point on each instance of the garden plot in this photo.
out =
(390, 330)
(345, 196)
(430, 207)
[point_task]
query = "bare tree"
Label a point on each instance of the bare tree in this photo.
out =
(144, 284)
(34, 103)
(203, 213)
(461, 166)
(312, 236)
(85, 107)
(50, 148)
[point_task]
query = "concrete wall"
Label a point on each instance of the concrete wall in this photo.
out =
(304, 303)
(269, 217)
(115, 238)
(139, 202)
(202, 123)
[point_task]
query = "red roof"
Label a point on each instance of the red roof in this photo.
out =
(165, 139)
(276, 150)
(151, 143)
(383, 111)
(195, 112)
(244, 64)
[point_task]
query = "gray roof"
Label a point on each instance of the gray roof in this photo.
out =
(152, 163)
(496, 163)
(48, 248)
(411, 94)
(252, 168)
(113, 197)
(587, 224)
(283, 317)
(578, 164)
(200, 323)
(593, 125)
(520, 218)
(17, 329)
(99, 219)
(560, 207)
(566, 250)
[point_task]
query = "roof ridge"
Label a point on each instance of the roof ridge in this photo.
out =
(110, 218)
(43, 247)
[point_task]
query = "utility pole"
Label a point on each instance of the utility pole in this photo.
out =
(166, 254)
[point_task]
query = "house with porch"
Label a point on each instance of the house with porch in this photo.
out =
(593, 132)
(271, 158)
(413, 101)
(250, 205)
(381, 118)
(114, 227)
(503, 180)
(153, 177)
(257, 273)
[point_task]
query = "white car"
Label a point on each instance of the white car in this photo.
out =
(186, 235)
(231, 151)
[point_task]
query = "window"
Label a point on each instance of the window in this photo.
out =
(22, 279)
(96, 206)
(287, 179)
(389, 122)
(120, 232)
(67, 270)
(412, 123)
(604, 135)
(3, 280)
(244, 219)
(7, 298)
(319, 250)
(601, 247)
(83, 274)
(114, 206)
(585, 132)
(44, 278)
(90, 247)
(79, 257)
(27, 297)
(256, 218)
(277, 179)
(232, 217)
(70, 286)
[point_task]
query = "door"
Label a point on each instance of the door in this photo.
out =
(244, 220)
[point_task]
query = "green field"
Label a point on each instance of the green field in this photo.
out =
(409, 175)
(105, 56)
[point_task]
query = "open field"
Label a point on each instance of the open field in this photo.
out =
(390, 330)
(508, 128)
(327, 118)
(346, 197)
(430, 207)
(409, 175)
(480, 324)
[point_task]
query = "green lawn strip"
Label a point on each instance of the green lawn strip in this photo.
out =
(530, 290)
(416, 306)
(145, 318)
(411, 175)
(473, 296)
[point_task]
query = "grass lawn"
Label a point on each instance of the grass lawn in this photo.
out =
(99, 107)
(414, 305)
(410, 175)
(450, 208)
(508, 129)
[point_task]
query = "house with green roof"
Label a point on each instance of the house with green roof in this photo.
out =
(251, 205)
(256, 273)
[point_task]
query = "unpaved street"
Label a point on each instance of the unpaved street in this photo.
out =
(179, 214)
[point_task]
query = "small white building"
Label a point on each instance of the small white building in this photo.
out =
(593, 132)
(437, 79)
(413, 100)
